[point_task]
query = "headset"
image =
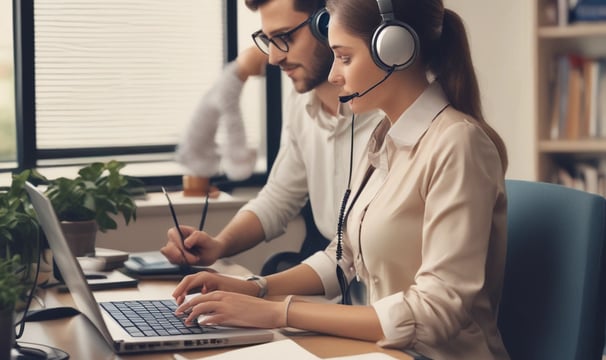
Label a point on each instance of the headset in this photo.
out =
(394, 44)
(319, 24)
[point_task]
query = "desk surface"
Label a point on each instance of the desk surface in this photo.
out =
(78, 337)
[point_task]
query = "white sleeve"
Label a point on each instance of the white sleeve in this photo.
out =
(286, 190)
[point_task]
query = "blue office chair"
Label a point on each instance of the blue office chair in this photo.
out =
(554, 300)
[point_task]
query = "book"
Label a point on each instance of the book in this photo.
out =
(588, 174)
(591, 73)
(563, 12)
(103, 260)
(560, 97)
(601, 98)
(588, 10)
(574, 99)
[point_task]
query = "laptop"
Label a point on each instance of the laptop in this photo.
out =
(134, 336)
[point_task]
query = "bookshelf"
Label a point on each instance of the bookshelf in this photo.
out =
(558, 147)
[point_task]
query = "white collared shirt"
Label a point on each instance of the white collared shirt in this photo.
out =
(313, 159)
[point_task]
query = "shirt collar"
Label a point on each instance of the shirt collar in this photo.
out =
(409, 128)
(413, 123)
(333, 124)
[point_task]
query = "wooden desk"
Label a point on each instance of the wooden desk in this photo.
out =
(78, 337)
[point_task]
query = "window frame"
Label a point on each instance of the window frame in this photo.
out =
(28, 155)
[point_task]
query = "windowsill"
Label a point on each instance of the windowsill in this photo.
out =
(155, 203)
(143, 170)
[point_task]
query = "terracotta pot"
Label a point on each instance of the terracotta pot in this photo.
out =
(7, 332)
(81, 236)
(195, 185)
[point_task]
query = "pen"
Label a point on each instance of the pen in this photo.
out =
(185, 269)
(203, 218)
(174, 215)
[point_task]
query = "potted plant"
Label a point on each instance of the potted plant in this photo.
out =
(12, 287)
(85, 203)
(20, 241)
(19, 228)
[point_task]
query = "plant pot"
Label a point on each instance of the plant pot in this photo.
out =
(7, 332)
(80, 236)
(195, 185)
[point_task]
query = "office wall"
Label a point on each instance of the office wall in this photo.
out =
(501, 35)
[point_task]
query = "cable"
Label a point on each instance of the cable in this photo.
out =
(340, 222)
(21, 322)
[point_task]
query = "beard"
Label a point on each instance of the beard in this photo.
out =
(318, 70)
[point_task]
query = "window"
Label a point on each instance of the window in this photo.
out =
(121, 78)
(8, 145)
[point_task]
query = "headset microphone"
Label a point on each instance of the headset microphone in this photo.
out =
(347, 98)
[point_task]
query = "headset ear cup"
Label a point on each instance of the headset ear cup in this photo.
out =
(394, 46)
(319, 24)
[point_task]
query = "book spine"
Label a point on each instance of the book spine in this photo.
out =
(589, 12)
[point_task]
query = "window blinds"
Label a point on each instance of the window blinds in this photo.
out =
(122, 72)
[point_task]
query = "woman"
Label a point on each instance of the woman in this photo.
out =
(425, 225)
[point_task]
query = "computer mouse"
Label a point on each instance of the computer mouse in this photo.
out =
(53, 313)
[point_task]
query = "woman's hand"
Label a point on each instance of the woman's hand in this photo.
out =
(208, 281)
(233, 309)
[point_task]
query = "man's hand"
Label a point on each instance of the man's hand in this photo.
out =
(199, 248)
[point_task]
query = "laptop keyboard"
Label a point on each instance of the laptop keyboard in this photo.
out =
(149, 318)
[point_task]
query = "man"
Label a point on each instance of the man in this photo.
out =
(314, 157)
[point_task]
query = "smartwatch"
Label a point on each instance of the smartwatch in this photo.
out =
(261, 283)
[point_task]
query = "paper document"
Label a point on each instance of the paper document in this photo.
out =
(269, 351)
(277, 349)
(368, 356)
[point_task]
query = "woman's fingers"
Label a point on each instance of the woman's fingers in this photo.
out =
(190, 282)
(231, 309)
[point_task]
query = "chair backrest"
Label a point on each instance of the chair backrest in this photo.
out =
(313, 241)
(553, 303)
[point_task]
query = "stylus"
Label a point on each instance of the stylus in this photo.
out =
(184, 268)
(174, 215)
(203, 218)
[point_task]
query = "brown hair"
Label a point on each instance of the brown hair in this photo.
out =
(307, 6)
(444, 49)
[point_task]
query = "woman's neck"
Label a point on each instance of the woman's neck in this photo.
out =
(409, 86)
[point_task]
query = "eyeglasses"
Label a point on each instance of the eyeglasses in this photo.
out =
(280, 41)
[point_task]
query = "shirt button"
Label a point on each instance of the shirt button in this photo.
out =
(375, 279)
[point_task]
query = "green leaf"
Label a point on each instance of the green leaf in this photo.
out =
(96, 193)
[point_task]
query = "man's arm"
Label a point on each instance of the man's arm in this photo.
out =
(198, 150)
(243, 232)
(251, 62)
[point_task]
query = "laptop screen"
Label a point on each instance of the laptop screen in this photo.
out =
(68, 265)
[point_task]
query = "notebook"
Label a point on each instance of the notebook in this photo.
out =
(140, 338)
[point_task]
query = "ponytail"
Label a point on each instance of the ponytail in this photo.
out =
(450, 61)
